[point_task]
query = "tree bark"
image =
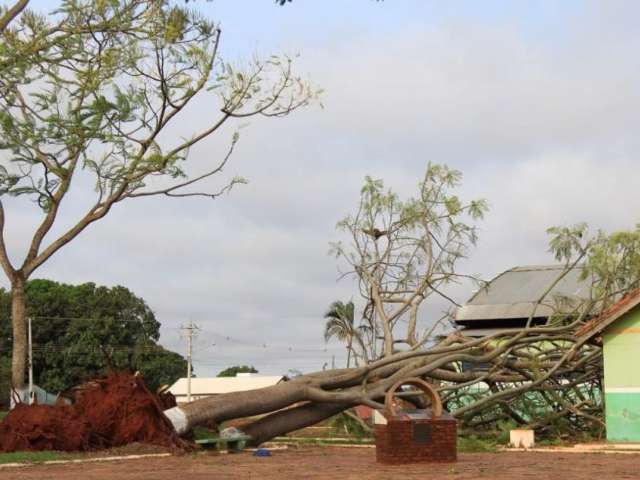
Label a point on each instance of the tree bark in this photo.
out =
(285, 421)
(18, 318)
(239, 404)
(12, 13)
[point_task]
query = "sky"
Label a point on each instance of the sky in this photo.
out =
(537, 103)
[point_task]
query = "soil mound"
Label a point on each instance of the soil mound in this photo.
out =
(109, 412)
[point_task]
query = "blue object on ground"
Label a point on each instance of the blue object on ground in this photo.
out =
(262, 452)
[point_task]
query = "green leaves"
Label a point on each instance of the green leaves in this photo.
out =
(233, 371)
(383, 209)
(453, 205)
(89, 69)
(477, 208)
(403, 250)
(7, 181)
(567, 242)
(94, 86)
(340, 321)
(177, 22)
(609, 262)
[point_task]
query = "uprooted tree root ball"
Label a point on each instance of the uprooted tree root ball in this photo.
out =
(44, 427)
(110, 412)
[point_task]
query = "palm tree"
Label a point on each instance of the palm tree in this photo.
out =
(339, 324)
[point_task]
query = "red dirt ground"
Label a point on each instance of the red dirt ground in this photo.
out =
(344, 464)
(110, 412)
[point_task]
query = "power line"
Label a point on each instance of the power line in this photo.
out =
(228, 338)
(232, 339)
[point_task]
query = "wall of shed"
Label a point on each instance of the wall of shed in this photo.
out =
(622, 378)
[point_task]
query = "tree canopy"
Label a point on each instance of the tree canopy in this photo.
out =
(80, 331)
(233, 371)
(405, 251)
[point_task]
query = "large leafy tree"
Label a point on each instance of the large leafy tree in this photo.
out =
(87, 95)
(80, 331)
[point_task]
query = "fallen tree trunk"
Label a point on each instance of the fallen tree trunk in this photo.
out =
(289, 420)
(519, 363)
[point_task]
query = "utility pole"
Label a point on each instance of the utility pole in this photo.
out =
(30, 361)
(189, 332)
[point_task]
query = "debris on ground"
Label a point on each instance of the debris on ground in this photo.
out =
(109, 412)
(231, 433)
(262, 452)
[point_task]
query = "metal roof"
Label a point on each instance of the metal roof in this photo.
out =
(218, 385)
(514, 293)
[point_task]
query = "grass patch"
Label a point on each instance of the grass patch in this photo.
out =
(201, 433)
(323, 441)
(345, 425)
(3, 414)
(475, 444)
(32, 457)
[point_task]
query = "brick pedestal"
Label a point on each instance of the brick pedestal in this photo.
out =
(412, 440)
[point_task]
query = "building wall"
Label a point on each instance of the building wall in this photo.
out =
(622, 378)
(183, 398)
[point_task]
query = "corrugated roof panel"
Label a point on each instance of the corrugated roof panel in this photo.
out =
(505, 310)
(513, 294)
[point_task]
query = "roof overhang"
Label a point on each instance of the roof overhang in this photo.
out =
(610, 315)
(485, 332)
(502, 311)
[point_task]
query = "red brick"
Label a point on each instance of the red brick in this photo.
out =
(395, 444)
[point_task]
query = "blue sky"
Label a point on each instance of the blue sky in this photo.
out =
(537, 103)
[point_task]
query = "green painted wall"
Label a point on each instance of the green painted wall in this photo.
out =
(623, 417)
(622, 378)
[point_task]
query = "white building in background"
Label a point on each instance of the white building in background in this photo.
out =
(206, 387)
